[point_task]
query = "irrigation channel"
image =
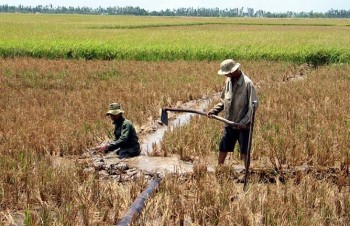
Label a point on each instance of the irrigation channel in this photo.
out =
(155, 168)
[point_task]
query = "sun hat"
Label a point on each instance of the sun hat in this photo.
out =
(228, 66)
(114, 109)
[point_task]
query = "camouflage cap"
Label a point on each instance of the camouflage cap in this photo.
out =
(114, 109)
(228, 66)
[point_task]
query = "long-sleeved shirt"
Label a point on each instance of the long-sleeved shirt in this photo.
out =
(236, 100)
(125, 135)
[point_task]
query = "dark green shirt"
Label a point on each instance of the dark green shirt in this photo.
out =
(125, 135)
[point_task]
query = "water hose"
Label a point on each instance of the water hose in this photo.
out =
(139, 203)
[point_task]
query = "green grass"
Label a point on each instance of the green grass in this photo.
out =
(315, 41)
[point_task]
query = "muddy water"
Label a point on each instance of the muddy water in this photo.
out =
(179, 120)
(171, 164)
(162, 165)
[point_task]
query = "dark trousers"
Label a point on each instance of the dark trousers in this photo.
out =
(230, 137)
(128, 152)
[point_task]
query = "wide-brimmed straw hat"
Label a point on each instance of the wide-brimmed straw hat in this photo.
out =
(114, 109)
(228, 66)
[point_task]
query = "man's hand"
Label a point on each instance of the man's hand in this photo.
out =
(242, 127)
(210, 114)
(103, 148)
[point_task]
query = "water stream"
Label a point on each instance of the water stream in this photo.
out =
(171, 164)
(181, 119)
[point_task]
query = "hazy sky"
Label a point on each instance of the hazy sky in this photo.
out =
(267, 5)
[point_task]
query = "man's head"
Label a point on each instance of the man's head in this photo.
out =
(114, 111)
(229, 68)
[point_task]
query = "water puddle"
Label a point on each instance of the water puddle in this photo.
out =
(162, 165)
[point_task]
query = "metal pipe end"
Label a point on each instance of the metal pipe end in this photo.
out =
(164, 117)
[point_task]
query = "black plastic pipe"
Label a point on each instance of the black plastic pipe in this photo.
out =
(139, 203)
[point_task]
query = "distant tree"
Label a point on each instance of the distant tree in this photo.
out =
(198, 12)
(250, 12)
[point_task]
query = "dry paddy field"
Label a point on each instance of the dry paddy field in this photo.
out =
(56, 107)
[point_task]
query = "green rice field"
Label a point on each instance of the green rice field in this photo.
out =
(174, 38)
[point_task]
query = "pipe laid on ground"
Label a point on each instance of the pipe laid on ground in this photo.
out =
(139, 203)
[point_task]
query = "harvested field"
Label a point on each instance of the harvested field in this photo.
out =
(57, 107)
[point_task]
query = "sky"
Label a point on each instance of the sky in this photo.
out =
(266, 5)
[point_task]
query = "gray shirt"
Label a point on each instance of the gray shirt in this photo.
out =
(236, 100)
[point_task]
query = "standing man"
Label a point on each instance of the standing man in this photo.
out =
(236, 101)
(126, 141)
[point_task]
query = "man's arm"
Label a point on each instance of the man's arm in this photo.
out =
(219, 106)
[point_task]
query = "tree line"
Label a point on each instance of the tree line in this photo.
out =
(195, 12)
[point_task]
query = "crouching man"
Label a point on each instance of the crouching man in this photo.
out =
(126, 142)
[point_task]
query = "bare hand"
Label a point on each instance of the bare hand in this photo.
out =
(103, 148)
(241, 126)
(210, 114)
